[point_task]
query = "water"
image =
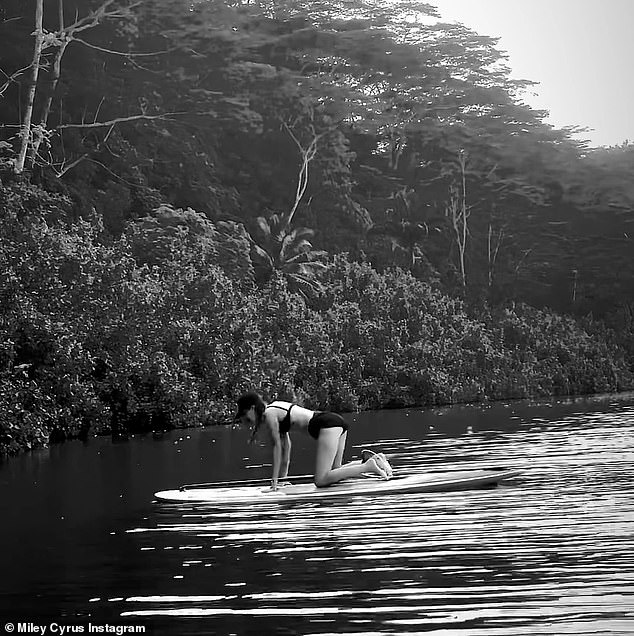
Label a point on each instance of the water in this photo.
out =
(550, 552)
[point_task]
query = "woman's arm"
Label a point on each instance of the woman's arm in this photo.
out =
(277, 461)
(286, 454)
(274, 429)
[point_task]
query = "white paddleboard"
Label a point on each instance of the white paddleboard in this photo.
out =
(370, 485)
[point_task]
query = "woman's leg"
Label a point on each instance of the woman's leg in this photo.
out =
(328, 449)
(341, 447)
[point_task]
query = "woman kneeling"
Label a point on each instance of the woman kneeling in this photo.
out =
(273, 422)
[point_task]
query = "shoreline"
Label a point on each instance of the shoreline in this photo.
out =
(621, 396)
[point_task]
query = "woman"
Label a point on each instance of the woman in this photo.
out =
(274, 422)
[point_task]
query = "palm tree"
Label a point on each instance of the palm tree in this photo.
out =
(405, 229)
(290, 253)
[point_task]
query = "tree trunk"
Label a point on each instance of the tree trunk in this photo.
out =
(458, 211)
(25, 133)
(492, 251)
(463, 217)
(38, 136)
(307, 155)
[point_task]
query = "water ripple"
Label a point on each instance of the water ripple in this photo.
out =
(550, 553)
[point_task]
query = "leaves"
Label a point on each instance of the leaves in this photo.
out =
(96, 339)
(289, 253)
(170, 127)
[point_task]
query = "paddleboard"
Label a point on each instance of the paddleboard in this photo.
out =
(366, 485)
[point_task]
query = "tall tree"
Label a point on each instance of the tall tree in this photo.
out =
(25, 130)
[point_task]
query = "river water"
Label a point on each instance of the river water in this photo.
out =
(550, 552)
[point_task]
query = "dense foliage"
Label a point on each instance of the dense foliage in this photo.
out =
(160, 328)
(348, 203)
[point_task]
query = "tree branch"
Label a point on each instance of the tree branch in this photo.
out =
(114, 174)
(99, 14)
(307, 155)
(122, 53)
(121, 120)
(64, 168)
(11, 78)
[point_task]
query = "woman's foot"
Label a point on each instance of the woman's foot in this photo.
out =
(372, 466)
(379, 458)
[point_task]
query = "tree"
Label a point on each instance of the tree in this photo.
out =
(290, 253)
(33, 127)
(25, 131)
(458, 213)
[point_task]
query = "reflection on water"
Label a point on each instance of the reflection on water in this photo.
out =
(550, 552)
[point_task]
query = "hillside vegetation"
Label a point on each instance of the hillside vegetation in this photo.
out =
(346, 204)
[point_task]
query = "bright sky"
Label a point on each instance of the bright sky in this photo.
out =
(580, 51)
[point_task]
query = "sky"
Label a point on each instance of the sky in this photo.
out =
(580, 51)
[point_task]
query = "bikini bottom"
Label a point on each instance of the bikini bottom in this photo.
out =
(325, 419)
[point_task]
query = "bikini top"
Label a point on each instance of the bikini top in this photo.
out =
(285, 424)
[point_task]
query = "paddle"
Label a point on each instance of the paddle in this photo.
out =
(245, 482)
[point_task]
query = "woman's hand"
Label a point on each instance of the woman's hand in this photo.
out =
(278, 485)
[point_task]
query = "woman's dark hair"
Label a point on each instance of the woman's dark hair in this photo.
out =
(246, 401)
